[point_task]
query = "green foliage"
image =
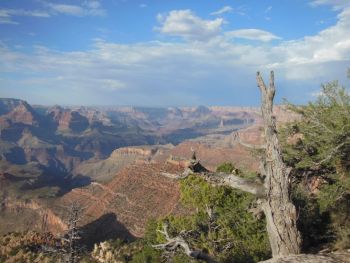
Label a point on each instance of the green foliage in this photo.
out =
(196, 193)
(230, 233)
(318, 147)
(313, 223)
(146, 255)
(225, 168)
(325, 129)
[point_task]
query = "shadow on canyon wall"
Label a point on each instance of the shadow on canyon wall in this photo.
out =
(104, 228)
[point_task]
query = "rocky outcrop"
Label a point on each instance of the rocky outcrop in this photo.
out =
(68, 120)
(22, 113)
(8, 104)
(105, 170)
(212, 152)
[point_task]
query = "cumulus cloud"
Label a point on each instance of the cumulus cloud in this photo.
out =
(330, 44)
(185, 24)
(252, 34)
(225, 9)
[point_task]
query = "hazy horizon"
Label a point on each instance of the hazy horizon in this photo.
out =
(137, 106)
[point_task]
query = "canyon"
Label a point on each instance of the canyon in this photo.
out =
(111, 160)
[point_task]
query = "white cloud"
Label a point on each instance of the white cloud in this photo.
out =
(89, 8)
(225, 9)
(252, 34)
(331, 44)
(6, 15)
(184, 23)
(112, 84)
(268, 9)
(240, 10)
(180, 73)
(67, 9)
(7, 20)
(92, 4)
(337, 4)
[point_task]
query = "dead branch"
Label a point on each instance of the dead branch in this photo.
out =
(234, 181)
(185, 174)
(179, 242)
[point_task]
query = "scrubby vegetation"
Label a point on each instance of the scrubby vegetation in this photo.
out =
(25, 247)
(219, 225)
(317, 147)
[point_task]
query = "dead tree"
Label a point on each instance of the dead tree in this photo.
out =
(71, 249)
(278, 208)
(273, 193)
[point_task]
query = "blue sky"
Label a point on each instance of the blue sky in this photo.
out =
(170, 52)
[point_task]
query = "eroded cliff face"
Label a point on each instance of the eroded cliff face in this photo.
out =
(68, 120)
(29, 215)
(21, 112)
(105, 170)
(136, 194)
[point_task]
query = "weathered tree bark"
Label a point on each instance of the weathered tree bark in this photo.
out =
(72, 249)
(278, 208)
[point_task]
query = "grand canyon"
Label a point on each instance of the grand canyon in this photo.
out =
(110, 159)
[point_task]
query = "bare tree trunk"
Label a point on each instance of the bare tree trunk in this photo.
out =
(278, 208)
(72, 249)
